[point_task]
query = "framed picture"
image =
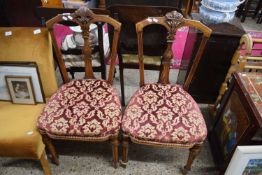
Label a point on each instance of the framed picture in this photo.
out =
(21, 69)
(20, 89)
(247, 160)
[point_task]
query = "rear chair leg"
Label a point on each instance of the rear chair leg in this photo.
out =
(51, 149)
(115, 143)
(194, 151)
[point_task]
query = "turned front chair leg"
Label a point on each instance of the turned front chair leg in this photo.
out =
(125, 144)
(44, 163)
(51, 149)
(115, 144)
(193, 152)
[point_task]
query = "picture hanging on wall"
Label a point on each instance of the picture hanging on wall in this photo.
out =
(21, 69)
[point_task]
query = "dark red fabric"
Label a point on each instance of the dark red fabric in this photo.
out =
(164, 114)
(82, 108)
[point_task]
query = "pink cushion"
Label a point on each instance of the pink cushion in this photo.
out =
(82, 108)
(164, 114)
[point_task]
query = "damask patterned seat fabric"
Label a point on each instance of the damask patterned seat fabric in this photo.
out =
(164, 114)
(86, 108)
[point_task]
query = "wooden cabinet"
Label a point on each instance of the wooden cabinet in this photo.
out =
(184, 5)
(19, 13)
(239, 118)
(173, 3)
(215, 62)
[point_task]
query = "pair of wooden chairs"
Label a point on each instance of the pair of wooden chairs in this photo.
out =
(158, 114)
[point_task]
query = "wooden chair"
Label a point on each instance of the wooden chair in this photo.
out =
(161, 114)
(258, 12)
(84, 109)
(250, 7)
(129, 15)
(239, 62)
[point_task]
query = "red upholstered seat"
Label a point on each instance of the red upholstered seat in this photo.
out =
(86, 108)
(164, 114)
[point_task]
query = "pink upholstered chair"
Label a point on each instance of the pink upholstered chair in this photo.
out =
(162, 114)
(85, 109)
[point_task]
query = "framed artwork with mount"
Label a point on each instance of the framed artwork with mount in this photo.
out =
(20, 89)
(21, 69)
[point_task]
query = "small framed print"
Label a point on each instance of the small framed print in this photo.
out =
(20, 69)
(247, 160)
(20, 89)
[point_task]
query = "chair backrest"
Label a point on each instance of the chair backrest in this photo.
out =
(172, 21)
(129, 15)
(84, 17)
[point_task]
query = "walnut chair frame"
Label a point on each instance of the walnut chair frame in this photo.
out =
(84, 17)
(45, 13)
(171, 21)
(100, 68)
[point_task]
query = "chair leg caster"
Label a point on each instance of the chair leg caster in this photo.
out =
(123, 164)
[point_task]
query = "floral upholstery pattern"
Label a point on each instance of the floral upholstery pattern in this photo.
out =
(164, 114)
(86, 108)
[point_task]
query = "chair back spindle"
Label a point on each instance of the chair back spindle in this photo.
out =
(172, 21)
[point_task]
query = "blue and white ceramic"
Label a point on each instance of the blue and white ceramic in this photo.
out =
(218, 11)
(213, 17)
(223, 5)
